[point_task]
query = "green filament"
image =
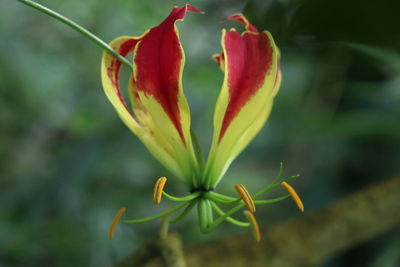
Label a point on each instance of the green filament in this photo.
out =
(162, 214)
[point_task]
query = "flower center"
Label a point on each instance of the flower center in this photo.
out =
(201, 189)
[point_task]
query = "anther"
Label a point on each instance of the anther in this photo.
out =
(244, 194)
(114, 222)
(158, 189)
(294, 195)
(254, 225)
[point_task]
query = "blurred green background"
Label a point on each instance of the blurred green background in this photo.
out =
(67, 162)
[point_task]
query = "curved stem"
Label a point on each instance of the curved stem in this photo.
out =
(164, 227)
(273, 200)
(162, 214)
(182, 199)
(184, 212)
(220, 212)
(266, 189)
(78, 28)
(221, 198)
(225, 197)
(275, 183)
(223, 217)
(239, 206)
(292, 177)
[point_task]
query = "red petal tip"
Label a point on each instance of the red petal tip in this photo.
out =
(193, 9)
(241, 18)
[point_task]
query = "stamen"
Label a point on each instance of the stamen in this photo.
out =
(254, 225)
(114, 222)
(244, 194)
(158, 189)
(294, 195)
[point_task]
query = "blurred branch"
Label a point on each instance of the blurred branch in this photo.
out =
(306, 241)
(160, 252)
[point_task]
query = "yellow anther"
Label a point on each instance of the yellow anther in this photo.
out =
(254, 225)
(158, 189)
(244, 194)
(114, 222)
(294, 195)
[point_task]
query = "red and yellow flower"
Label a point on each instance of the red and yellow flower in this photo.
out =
(158, 112)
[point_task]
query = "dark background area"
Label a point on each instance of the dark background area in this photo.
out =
(67, 162)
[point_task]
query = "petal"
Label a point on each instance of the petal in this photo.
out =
(110, 71)
(247, 136)
(145, 119)
(110, 68)
(252, 79)
(250, 73)
(239, 17)
(159, 61)
(161, 116)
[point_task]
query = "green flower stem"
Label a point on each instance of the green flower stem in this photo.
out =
(273, 200)
(266, 189)
(78, 28)
(223, 217)
(182, 199)
(162, 214)
(225, 197)
(220, 212)
(164, 227)
(239, 206)
(275, 183)
(184, 212)
(221, 198)
(292, 177)
(203, 211)
(209, 210)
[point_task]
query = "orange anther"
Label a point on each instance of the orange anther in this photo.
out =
(115, 221)
(244, 194)
(158, 189)
(294, 195)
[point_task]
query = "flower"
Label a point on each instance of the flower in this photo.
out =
(159, 114)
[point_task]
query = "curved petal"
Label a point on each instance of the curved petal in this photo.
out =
(239, 17)
(159, 61)
(145, 119)
(110, 71)
(162, 119)
(252, 79)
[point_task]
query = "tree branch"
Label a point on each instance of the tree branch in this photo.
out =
(160, 252)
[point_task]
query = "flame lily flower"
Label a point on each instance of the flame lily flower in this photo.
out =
(158, 113)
